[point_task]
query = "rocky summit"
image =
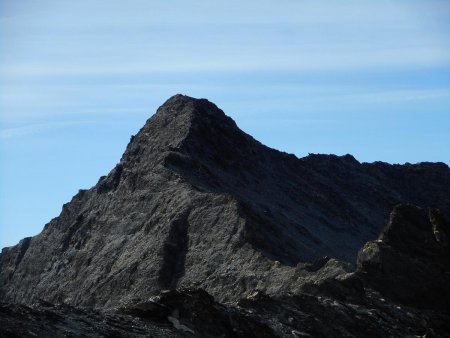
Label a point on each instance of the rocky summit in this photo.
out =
(200, 230)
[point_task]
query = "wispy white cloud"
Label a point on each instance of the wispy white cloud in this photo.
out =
(137, 12)
(285, 58)
(109, 39)
(55, 46)
(25, 130)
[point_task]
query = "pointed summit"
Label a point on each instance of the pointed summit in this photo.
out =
(186, 111)
(180, 104)
(179, 121)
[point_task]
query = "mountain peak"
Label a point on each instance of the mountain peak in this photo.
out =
(183, 105)
(181, 116)
(197, 203)
(180, 120)
(193, 199)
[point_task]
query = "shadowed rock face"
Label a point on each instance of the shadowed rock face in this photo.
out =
(196, 202)
(410, 261)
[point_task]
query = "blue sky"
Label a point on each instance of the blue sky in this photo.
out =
(77, 78)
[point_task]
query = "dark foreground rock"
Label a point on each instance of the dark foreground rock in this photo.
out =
(194, 313)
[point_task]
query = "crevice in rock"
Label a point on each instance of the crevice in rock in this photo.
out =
(174, 251)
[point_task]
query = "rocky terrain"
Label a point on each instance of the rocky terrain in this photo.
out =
(255, 241)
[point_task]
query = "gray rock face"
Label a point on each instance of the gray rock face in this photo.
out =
(196, 202)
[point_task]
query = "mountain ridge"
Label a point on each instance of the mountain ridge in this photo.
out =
(194, 201)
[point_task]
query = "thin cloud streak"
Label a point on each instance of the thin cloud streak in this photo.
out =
(397, 59)
(122, 100)
(22, 131)
(300, 35)
(138, 12)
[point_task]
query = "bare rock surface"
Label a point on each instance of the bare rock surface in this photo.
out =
(197, 205)
(410, 261)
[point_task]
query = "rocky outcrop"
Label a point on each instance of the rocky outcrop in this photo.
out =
(196, 202)
(410, 261)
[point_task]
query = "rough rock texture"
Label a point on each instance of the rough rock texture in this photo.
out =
(196, 202)
(171, 314)
(410, 262)
(197, 205)
(190, 313)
